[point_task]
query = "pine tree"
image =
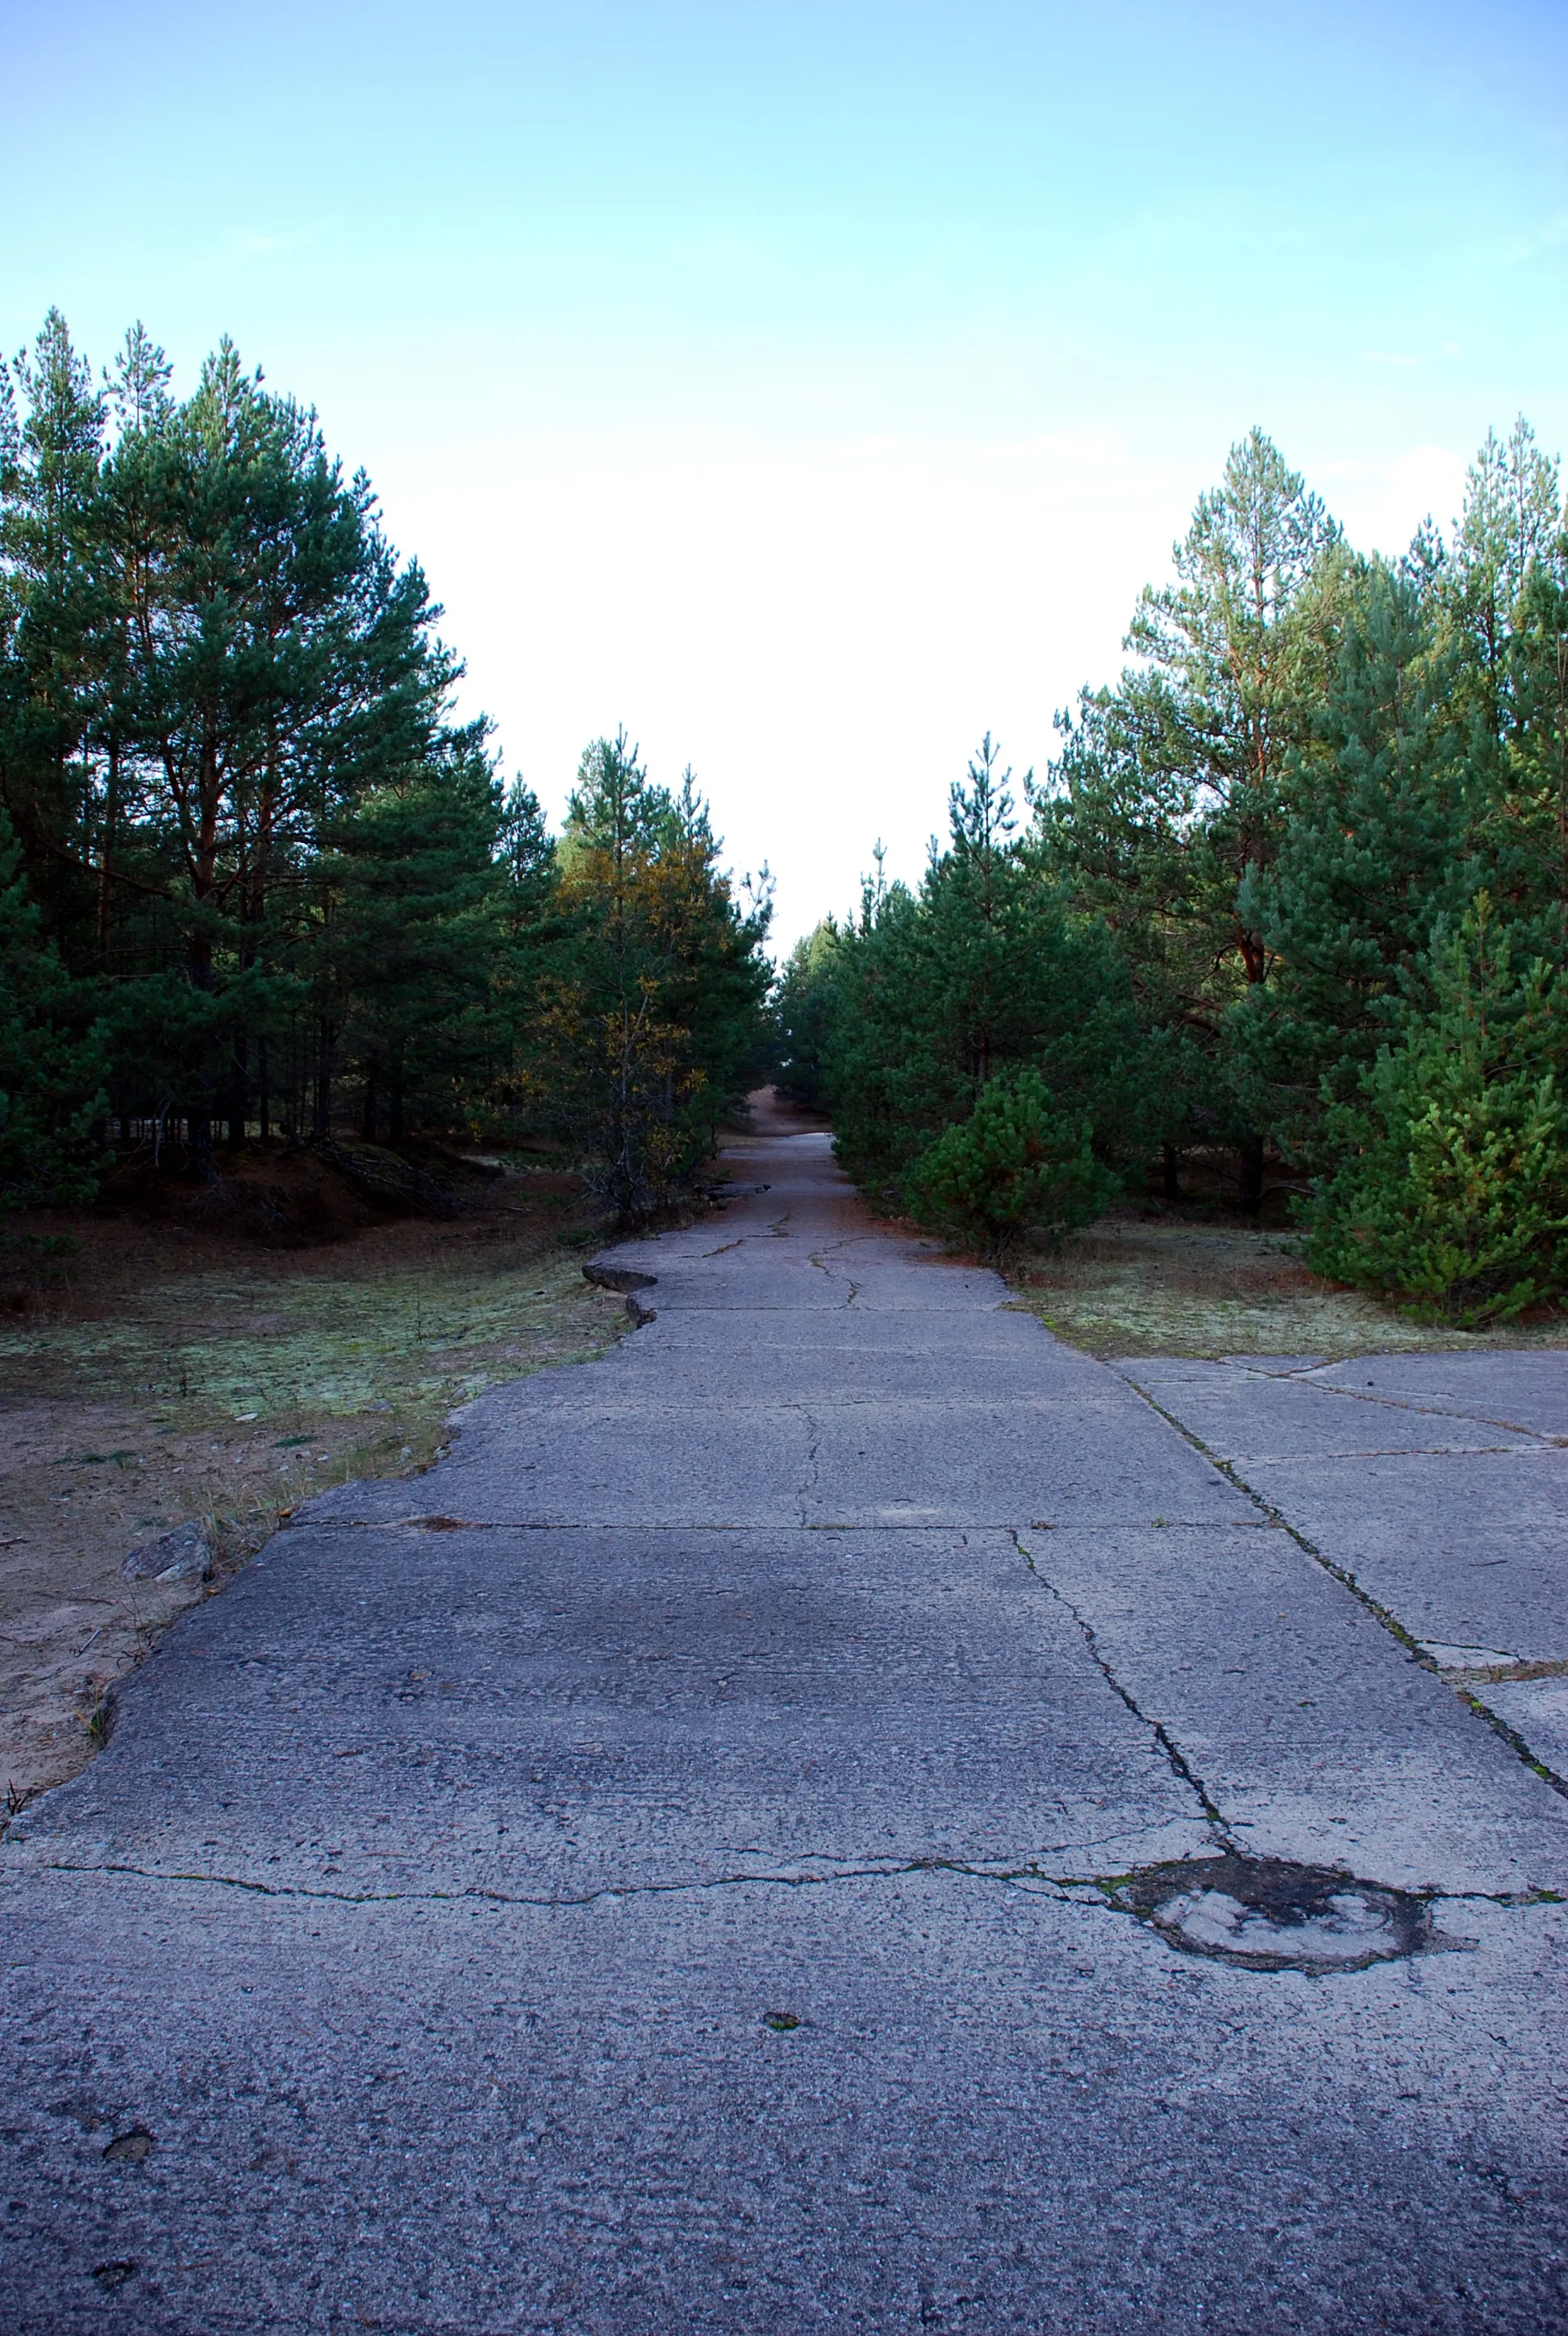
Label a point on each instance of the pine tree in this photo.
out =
(805, 1009)
(1171, 796)
(49, 505)
(1509, 529)
(1235, 652)
(1451, 1181)
(1017, 1164)
(655, 1018)
(985, 971)
(1378, 845)
(409, 956)
(51, 1066)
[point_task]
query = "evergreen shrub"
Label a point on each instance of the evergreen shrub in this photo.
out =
(1451, 1187)
(1020, 1163)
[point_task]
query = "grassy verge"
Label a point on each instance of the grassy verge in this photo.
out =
(155, 1376)
(1139, 1284)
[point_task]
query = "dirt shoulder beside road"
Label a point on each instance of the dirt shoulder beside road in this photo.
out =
(155, 1376)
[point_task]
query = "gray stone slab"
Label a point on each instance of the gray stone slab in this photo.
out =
(1011, 1361)
(850, 1331)
(1466, 1549)
(999, 2111)
(1537, 1712)
(611, 1462)
(923, 1464)
(547, 1715)
(996, 1378)
(871, 1462)
(1525, 1390)
(1273, 1685)
(1242, 1415)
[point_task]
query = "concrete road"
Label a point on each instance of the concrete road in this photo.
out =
(843, 1814)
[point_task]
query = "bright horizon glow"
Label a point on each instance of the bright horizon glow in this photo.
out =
(811, 388)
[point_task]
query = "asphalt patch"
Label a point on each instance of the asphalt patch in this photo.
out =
(1270, 1914)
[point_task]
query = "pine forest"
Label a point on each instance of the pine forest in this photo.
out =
(256, 885)
(1285, 918)
(1284, 923)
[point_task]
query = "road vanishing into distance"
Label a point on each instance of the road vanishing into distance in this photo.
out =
(843, 1814)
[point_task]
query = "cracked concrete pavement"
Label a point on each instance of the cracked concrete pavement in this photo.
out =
(668, 1867)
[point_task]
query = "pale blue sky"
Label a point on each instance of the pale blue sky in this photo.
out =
(810, 387)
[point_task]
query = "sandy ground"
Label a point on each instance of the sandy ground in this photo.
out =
(156, 1375)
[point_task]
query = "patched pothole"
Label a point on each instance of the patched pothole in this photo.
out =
(1268, 1914)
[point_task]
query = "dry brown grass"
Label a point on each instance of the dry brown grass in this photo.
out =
(155, 1374)
(1146, 1283)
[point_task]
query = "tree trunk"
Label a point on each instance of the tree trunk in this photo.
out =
(238, 1091)
(198, 1162)
(1249, 1183)
(203, 879)
(262, 1098)
(395, 1112)
(321, 1119)
(368, 1115)
(1170, 1166)
(106, 853)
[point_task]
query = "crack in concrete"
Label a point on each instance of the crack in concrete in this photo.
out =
(1401, 1452)
(880, 1524)
(813, 1465)
(815, 1257)
(1102, 1892)
(1180, 1765)
(1538, 1441)
(843, 1871)
(1381, 1614)
(1504, 1674)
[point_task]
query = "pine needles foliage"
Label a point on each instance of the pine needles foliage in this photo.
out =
(1018, 1163)
(1450, 1182)
(1290, 902)
(257, 880)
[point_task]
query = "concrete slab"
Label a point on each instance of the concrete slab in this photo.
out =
(608, 1463)
(549, 1715)
(997, 2111)
(935, 1464)
(1536, 1710)
(1274, 1684)
(1244, 1415)
(849, 1331)
(1527, 1390)
(1464, 1549)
